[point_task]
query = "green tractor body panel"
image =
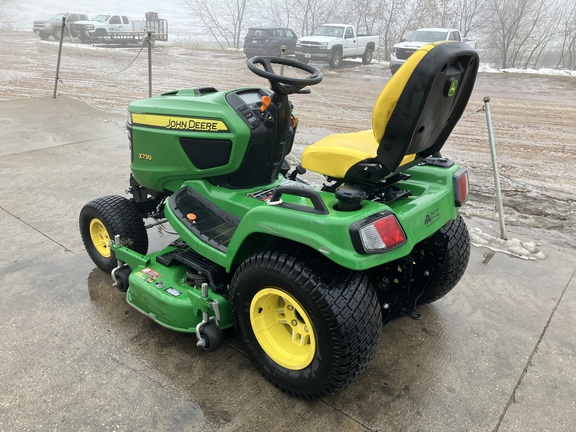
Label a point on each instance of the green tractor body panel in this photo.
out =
(425, 211)
(174, 145)
(159, 292)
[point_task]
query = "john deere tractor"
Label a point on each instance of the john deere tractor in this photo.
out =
(307, 275)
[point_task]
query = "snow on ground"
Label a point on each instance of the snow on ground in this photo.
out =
(484, 67)
(528, 250)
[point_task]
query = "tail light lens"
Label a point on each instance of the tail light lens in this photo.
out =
(461, 185)
(378, 233)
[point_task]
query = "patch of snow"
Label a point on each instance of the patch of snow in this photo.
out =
(528, 250)
(484, 67)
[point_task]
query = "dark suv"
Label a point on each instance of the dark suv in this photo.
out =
(268, 41)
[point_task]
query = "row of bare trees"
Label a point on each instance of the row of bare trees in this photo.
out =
(6, 12)
(509, 33)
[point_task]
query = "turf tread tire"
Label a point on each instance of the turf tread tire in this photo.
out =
(120, 216)
(447, 275)
(342, 305)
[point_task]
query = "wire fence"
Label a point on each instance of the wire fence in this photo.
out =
(147, 42)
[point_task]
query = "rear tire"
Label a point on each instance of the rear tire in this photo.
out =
(310, 326)
(367, 57)
(103, 218)
(56, 33)
(275, 52)
(448, 274)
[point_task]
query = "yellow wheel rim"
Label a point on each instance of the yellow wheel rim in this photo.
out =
(100, 237)
(283, 328)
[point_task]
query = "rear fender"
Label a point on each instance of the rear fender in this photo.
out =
(427, 210)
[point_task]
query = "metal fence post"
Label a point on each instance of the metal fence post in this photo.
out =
(149, 40)
(59, 57)
(503, 235)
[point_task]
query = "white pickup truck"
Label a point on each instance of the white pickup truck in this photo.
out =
(120, 28)
(418, 38)
(53, 26)
(334, 42)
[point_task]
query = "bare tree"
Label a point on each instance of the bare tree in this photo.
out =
(522, 29)
(278, 12)
(472, 16)
(567, 58)
(6, 11)
(223, 20)
(310, 14)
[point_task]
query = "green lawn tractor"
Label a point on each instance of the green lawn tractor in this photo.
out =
(306, 274)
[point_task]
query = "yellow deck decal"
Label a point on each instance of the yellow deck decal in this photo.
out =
(179, 123)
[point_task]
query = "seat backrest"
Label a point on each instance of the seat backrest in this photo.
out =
(420, 105)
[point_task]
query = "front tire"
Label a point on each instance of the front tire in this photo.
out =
(103, 218)
(336, 59)
(310, 326)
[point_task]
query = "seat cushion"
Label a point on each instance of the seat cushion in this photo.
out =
(335, 154)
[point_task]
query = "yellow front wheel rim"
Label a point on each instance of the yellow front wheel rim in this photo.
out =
(100, 238)
(283, 328)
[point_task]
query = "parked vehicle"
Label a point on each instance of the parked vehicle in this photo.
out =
(120, 28)
(418, 38)
(269, 41)
(334, 42)
(53, 26)
(307, 274)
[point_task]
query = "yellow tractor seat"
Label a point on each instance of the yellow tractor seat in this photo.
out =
(411, 120)
(335, 154)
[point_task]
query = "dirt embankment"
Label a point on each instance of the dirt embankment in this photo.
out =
(534, 116)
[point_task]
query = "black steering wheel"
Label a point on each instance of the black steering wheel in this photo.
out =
(281, 84)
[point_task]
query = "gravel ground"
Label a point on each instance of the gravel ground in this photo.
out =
(533, 115)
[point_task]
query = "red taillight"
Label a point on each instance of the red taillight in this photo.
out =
(461, 185)
(377, 234)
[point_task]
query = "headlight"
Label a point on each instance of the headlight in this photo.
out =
(90, 27)
(324, 45)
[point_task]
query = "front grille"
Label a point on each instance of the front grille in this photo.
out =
(404, 53)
